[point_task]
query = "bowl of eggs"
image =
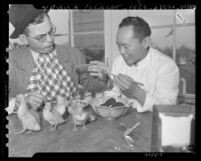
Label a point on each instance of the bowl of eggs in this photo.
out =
(110, 107)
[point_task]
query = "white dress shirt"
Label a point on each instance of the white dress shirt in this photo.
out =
(159, 74)
(35, 55)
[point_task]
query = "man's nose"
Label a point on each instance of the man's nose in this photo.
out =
(122, 50)
(49, 38)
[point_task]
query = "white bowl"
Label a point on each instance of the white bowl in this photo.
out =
(109, 112)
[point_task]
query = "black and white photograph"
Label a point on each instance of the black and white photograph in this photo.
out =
(100, 80)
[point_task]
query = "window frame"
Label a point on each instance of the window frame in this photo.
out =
(72, 34)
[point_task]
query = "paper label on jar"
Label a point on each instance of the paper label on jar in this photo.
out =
(175, 131)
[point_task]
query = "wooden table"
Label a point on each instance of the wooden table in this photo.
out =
(98, 136)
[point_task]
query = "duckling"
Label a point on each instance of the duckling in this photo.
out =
(79, 116)
(29, 118)
(61, 105)
(12, 106)
(51, 115)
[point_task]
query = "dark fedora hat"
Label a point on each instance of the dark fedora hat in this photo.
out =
(20, 15)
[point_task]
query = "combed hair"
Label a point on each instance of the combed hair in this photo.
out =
(140, 26)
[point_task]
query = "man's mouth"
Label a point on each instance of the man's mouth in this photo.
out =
(49, 46)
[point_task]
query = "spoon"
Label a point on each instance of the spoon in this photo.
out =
(129, 130)
(130, 141)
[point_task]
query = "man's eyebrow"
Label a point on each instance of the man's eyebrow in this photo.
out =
(46, 33)
(38, 36)
(124, 44)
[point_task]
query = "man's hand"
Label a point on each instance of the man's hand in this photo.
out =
(130, 88)
(98, 68)
(126, 85)
(35, 99)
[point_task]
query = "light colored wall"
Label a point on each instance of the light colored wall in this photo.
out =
(60, 18)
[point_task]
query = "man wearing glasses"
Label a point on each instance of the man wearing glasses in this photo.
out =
(40, 69)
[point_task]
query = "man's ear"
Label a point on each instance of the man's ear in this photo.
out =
(146, 42)
(23, 39)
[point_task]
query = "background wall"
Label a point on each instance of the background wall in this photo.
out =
(60, 18)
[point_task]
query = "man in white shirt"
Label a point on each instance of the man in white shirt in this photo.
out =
(139, 62)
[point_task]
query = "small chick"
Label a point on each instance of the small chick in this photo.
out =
(12, 106)
(79, 116)
(29, 118)
(61, 105)
(52, 116)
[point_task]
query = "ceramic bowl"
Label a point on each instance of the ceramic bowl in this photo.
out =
(109, 113)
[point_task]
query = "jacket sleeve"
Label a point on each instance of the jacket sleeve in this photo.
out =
(12, 84)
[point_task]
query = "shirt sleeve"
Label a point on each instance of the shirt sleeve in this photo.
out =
(167, 88)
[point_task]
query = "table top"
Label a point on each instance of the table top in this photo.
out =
(99, 136)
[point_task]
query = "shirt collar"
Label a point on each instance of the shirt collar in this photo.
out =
(35, 55)
(33, 52)
(146, 60)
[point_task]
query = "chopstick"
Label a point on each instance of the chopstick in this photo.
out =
(141, 84)
(129, 79)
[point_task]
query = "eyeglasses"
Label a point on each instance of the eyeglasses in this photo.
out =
(42, 38)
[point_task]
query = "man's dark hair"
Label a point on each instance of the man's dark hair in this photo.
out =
(39, 19)
(140, 27)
